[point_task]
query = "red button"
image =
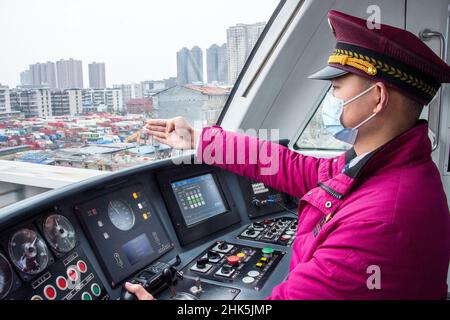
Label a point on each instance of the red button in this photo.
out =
(82, 266)
(267, 221)
(72, 274)
(50, 292)
(233, 260)
(61, 283)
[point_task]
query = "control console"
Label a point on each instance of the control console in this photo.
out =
(239, 265)
(280, 231)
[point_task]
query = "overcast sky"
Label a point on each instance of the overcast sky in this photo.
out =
(137, 39)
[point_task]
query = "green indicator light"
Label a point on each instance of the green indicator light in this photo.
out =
(86, 296)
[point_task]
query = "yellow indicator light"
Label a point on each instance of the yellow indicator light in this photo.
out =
(135, 195)
(145, 215)
(241, 255)
(263, 259)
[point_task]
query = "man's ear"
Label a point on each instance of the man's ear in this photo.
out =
(382, 97)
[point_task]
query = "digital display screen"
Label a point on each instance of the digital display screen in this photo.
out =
(199, 198)
(137, 249)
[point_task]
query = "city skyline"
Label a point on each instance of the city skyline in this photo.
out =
(73, 24)
(70, 73)
(219, 65)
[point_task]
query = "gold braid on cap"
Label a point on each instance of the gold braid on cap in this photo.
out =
(372, 66)
(357, 63)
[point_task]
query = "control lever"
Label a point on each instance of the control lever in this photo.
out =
(126, 295)
(177, 262)
(168, 278)
(154, 279)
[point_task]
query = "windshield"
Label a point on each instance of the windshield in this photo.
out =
(80, 78)
(316, 137)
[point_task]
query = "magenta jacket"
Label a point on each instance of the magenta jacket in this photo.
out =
(378, 230)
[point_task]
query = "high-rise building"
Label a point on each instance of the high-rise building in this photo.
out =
(25, 78)
(217, 63)
(67, 102)
(70, 74)
(5, 103)
(190, 66)
(43, 74)
(97, 78)
(240, 41)
(32, 102)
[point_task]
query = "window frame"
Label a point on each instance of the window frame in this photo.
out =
(310, 117)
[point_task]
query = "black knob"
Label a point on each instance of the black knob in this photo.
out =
(258, 224)
(226, 268)
(213, 255)
(250, 231)
(222, 245)
(201, 263)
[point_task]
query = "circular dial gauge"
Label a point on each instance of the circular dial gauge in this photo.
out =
(6, 277)
(28, 251)
(59, 232)
(121, 215)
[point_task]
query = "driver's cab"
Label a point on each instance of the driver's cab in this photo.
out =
(184, 230)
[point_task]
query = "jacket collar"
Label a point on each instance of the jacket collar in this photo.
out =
(407, 148)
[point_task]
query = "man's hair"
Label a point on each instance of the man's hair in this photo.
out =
(414, 107)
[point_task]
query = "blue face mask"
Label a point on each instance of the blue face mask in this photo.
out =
(332, 109)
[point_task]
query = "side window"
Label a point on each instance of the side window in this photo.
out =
(315, 137)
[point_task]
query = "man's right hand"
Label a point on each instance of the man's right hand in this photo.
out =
(176, 132)
(139, 291)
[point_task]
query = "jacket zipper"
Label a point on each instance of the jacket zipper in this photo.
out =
(330, 191)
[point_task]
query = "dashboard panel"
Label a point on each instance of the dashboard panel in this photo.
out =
(124, 231)
(44, 260)
(183, 231)
(198, 200)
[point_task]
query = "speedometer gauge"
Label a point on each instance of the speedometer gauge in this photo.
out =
(59, 233)
(6, 277)
(121, 215)
(28, 251)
